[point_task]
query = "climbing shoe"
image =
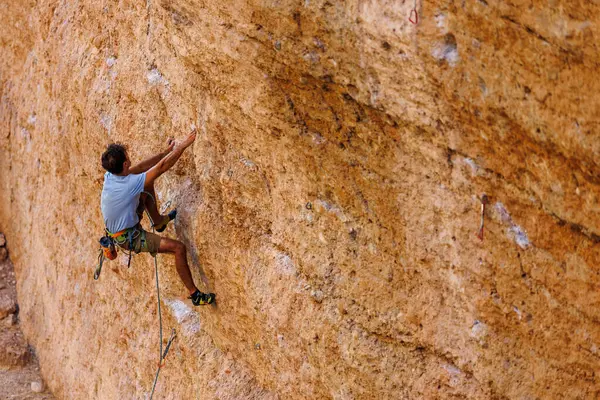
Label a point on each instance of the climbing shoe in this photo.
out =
(201, 299)
(163, 226)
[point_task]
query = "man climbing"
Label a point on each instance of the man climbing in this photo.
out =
(128, 191)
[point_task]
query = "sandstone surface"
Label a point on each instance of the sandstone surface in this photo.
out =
(18, 366)
(331, 200)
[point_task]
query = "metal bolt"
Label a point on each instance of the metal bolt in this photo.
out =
(484, 201)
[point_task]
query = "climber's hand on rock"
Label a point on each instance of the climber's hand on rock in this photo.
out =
(170, 144)
(190, 139)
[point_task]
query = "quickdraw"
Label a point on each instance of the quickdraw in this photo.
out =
(414, 15)
(484, 201)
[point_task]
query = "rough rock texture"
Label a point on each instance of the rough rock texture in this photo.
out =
(19, 384)
(331, 199)
(19, 370)
(14, 349)
(8, 304)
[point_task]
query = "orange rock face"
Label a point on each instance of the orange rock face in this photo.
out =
(19, 372)
(331, 200)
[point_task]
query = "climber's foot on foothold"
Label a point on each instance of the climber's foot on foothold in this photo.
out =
(200, 299)
(171, 216)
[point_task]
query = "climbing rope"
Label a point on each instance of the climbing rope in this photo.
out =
(162, 355)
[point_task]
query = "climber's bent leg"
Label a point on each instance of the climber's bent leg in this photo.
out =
(149, 201)
(178, 249)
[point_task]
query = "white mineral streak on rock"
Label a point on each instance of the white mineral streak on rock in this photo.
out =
(184, 315)
(106, 121)
(25, 134)
(317, 295)
(519, 236)
(479, 330)
(284, 264)
(518, 312)
(37, 386)
(248, 163)
(503, 212)
(454, 372)
(456, 281)
(280, 340)
(179, 308)
(514, 231)
(472, 164)
(441, 22)
(312, 57)
(446, 51)
(154, 77)
(319, 43)
(332, 208)
(316, 137)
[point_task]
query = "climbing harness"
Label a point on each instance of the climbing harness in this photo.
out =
(128, 236)
(108, 250)
(414, 15)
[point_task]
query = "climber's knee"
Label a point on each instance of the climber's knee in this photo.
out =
(180, 248)
(171, 246)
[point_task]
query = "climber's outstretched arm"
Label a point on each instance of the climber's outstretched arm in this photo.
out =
(152, 161)
(168, 161)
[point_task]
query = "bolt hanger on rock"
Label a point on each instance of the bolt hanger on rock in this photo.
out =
(484, 201)
(414, 14)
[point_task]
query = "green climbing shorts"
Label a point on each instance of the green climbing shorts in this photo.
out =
(144, 242)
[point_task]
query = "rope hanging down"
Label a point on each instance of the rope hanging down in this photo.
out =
(162, 355)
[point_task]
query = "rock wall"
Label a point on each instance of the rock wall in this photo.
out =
(331, 199)
(19, 370)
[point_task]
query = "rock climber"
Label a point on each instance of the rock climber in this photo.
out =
(128, 191)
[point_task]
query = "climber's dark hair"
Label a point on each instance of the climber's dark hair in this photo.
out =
(114, 157)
